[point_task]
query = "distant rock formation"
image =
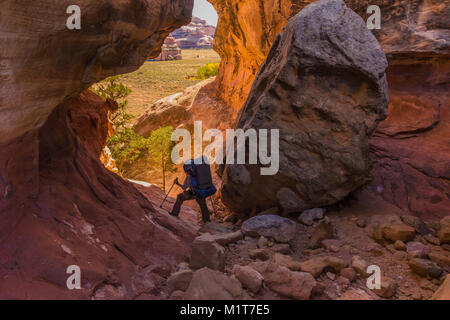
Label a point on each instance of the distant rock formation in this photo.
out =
(198, 34)
(170, 50)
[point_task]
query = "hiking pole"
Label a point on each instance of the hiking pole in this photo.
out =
(212, 204)
(167, 195)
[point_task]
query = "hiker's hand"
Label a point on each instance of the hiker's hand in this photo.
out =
(176, 181)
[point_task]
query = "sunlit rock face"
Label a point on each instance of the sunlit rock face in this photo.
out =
(323, 85)
(244, 35)
(43, 62)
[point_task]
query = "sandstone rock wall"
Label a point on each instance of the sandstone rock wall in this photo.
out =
(410, 151)
(59, 205)
(73, 211)
(244, 34)
(323, 85)
(43, 62)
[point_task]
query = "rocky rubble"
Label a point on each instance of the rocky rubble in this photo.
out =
(260, 267)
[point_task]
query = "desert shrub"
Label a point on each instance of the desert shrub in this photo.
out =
(208, 71)
(125, 144)
(127, 147)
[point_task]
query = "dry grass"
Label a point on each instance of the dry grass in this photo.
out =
(158, 79)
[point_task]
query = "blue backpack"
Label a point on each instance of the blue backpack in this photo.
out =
(200, 172)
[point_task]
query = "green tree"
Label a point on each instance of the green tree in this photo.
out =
(115, 90)
(160, 148)
(125, 144)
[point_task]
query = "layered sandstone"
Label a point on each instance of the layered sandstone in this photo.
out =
(323, 85)
(43, 62)
(62, 207)
(59, 205)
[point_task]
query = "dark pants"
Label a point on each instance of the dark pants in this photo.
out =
(188, 195)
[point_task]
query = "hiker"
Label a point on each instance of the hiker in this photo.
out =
(197, 185)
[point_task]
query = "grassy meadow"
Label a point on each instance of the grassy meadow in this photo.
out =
(158, 79)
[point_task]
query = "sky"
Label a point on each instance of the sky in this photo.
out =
(204, 10)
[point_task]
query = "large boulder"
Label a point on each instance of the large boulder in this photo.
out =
(323, 86)
(207, 284)
(281, 229)
(287, 283)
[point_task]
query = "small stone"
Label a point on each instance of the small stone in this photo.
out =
(388, 288)
(226, 238)
(343, 281)
(316, 265)
(417, 249)
(283, 248)
(207, 284)
(445, 222)
(262, 242)
(324, 230)
(328, 243)
(179, 281)
(309, 216)
(287, 261)
(441, 257)
(398, 231)
(360, 266)
(318, 289)
(355, 294)
(433, 240)
(362, 223)
(425, 268)
(249, 277)
(400, 255)
(349, 273)
(287, 283)
(416, 295)
(415, 223)
(376, 250)
(207, 253)
(444, 235)
(334, 248)
(260, 254)
(330, 275)
(400, 245)
(390, 248)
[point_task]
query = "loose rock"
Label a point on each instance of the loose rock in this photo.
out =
(316, 265)
(279, 228)
(309, 216)
(249, 277)
(291, 284)
(207, 284)
(425, 268)
(398, 231)
(207, 253)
